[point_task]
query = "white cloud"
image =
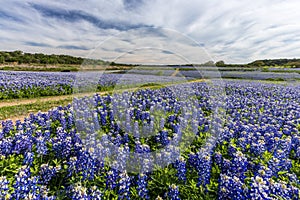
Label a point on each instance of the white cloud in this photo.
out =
(234, 31)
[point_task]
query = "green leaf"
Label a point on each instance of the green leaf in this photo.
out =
(282, 172)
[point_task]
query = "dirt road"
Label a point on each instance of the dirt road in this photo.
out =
(16, 102)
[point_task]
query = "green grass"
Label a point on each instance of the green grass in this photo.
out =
(41, 69)
(21, 110)
(39, 105)
(284, 71)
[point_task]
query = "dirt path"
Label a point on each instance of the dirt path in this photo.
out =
(16, 102)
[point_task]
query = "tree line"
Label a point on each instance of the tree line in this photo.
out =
(20, 57)
(293, 63)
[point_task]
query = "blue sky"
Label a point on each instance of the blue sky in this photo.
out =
(154, 31)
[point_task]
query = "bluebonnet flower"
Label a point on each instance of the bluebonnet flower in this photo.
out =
(72, 165)
(70, 120)
(232, 150)
(239, 164)
(230, 188)
(171, 118)
(62, 144)
(136, 132)
(122, 157)
(242, 142)
(267, 117)
(258, 148)
(281, 189)
(7, 126)
(18, 125)
(173, 192)
(194, 125)
(146, 164)
(286, 145)
(3, 186)
(297, 152)
(29, 156)
(79, 192)
(142, 156)
(6, 146)
(22, 143)
(293, 178)
(295, 141)
(32, 196)
(279, 163)
(167, 156)
(46, 173)
(95, 193)
(203, 167)
(180, 165)
(270, 141)
(41, 147)
(295, 192)
(47, 134)
(118, 140)
(142, 184)
(86, 164)
(162, 123)
(63, 120)
(111, 179)
(24, 184)
(124, 186)
(163, 138)
(260, 188)
(44, 193)
(103, 116)
(264, 172)
(218, 158)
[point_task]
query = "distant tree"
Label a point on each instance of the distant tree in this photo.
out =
(16, 53)
(26, 59)
(293, 64)
(220, 63)
(258, 63)
(1, 59)
(209, 63)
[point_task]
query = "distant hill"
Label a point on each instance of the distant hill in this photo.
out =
(19, 57)
(294, 63)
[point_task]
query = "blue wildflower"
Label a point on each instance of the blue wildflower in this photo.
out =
(180, 166)
(173, 193)
(111, 179)
(124, 186)
(142, 184)
(3, 186)
(28, 158)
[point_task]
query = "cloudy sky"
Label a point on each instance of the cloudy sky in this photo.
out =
(154, 31)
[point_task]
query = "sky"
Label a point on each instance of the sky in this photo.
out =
(154, 31)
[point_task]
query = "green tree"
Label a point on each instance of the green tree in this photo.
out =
(209, 63)
(259, 63)
(1, 59)
(220, 63)
(294, 64)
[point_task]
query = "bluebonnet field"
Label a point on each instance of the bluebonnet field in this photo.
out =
(33, 84)
(18, 84)
(248, 149)
(213, 72)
